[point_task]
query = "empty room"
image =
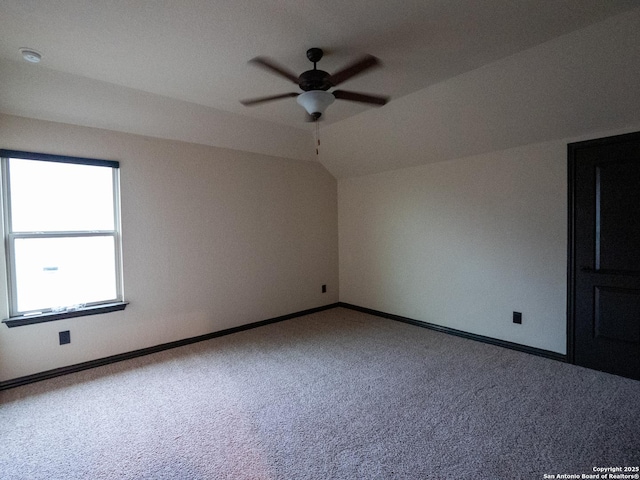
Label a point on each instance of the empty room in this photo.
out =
(320, 240)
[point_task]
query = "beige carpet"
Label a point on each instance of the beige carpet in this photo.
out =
(334, 395)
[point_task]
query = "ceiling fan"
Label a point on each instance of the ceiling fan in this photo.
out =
(316, 83)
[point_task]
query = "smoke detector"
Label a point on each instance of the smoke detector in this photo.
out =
(30, 55)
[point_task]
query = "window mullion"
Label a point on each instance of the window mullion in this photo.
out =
(88, 233)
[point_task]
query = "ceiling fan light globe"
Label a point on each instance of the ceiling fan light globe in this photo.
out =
(315, 102)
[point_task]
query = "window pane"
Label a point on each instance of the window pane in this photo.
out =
(61, 272)
(50, 196)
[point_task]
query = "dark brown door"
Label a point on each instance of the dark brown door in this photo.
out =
(604, 254)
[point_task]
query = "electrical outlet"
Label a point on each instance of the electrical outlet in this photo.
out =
(324, 289)
(517, 317)
(65, 337)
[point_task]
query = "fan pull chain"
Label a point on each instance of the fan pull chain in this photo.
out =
(317, 138)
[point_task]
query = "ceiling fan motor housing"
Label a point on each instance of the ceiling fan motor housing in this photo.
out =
(314, 80)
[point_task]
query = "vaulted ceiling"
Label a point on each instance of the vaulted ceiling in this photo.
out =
(178, 69)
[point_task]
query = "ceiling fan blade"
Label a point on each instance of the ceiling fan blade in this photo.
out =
(253, 101)
(354, 69)
(360, 97)
(273, 67)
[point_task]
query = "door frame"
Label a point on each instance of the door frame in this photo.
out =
(572, 149)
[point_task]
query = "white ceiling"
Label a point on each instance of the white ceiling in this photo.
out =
(193, 54)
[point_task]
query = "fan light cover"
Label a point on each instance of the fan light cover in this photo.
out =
(315, 101)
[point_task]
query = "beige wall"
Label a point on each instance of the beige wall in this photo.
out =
(212, 238)
(217, 238)
(463, 243)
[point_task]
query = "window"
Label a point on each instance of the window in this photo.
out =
(62, 236)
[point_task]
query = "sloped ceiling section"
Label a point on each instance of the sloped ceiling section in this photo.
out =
(51, 95)
(588, 80)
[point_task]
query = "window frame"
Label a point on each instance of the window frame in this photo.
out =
(18, 318)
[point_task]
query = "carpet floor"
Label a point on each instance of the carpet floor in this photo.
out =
(338, 394)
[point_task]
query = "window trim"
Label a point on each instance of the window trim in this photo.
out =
(96, 162)
(47, 315)
(52, 316)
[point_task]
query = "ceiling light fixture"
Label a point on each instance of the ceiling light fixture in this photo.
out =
(30, 55)
(315, 102)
